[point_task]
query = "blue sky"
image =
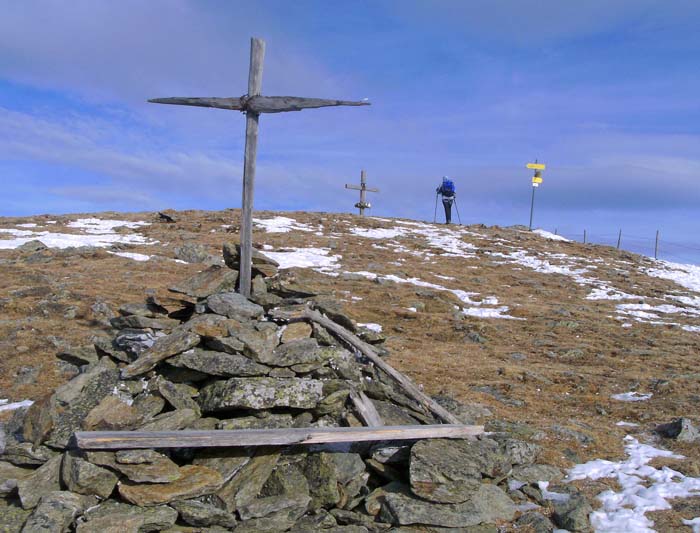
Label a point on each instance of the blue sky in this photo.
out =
(606, 93)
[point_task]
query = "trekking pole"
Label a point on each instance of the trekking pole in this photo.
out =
(457, 208)
(435, 213)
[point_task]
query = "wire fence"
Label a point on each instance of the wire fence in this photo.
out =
(661, 248)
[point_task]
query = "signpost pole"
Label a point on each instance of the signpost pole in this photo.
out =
(536, 180)
(532, 207)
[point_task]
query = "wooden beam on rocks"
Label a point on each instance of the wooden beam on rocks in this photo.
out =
(366, 349)
(125, 440)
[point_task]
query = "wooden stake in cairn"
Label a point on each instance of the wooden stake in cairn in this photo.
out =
(252, 104)
(362, 204)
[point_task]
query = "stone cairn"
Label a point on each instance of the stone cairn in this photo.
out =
(207, 358)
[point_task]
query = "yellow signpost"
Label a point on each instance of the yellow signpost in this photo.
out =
(536, 180)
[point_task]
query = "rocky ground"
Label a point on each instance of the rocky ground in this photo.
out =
(545, 339)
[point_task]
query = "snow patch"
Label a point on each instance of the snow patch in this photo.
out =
(550, 236)
(305, 258)
(281, 224)
(644, 488)
(632, 396)
(132, 255)
(6, 406)
(377, 328)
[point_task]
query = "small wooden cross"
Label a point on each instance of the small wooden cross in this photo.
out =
(362, 204)
(252, 104)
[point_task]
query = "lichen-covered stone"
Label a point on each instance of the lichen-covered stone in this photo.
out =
(234, 305)
(450, 471)
(86, 478)
(180, 340)
(296, 331)
(10, 475)
(44, 480)
(211, 280)
(488, 504)
(55, 512)
(260, 393)
(194, 481)
(202, 514)
(172, 420)
(219, 363)
(245, 485)
(273, 421)
(117, 517)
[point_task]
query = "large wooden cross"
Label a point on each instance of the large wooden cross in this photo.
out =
(252, 104)
(362, 204)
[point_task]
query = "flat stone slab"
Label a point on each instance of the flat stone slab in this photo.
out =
(234, 305)
(219, 363)
(260, 393)
(489, 504)
(194, 481)
(177, 342)
(210, 281)
(446, 471)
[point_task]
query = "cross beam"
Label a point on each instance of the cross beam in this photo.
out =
(253, 104)
(362, 204)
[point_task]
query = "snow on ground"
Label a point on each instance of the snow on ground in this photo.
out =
(95, 232)
(281, 225)
(6, 406)
(603, 292)
(550, 236)
(644, 488)
(132, 255)
(377, 328)
(378, 233)
(464, 296)
(687, 276)
(632, 396)
(305, 258)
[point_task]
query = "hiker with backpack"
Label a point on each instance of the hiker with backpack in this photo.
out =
(447, 191)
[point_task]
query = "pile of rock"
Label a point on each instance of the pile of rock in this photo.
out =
(208, 358)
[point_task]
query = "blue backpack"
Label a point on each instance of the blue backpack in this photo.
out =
(448, 188)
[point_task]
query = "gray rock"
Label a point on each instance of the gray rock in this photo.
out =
(32, 246)
(192, 253)
(247, 482)
(146, 466)
(26, 454)
(176, 395)
(12, 516)
(227, 462)
(489, 504)
(210, 281)
(143, 322)
(261, 507)
(202, 514)
(334, 310)
(319, 521)
(260, 393)
(301, 351)
(287, 512)
(681, 429)
(86, 478)
(261, 263)
(234, 305)
(535, 473)
(225, 344)
(536, 522)
(116, 517)
(131, 341)
(180, 340)
(44, 480)
(194, 481)
(10, 475)
(55, 513)
(79, 356)
(572, 514)
(274, 421)
(172, 420)
(70, 404)
(450, 471)
(219, 363)
(518, 451)
(286, 480)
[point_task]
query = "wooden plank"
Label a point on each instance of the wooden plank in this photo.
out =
(234, 104)
(366, 410)
(406, 384)
(280, 104)
(124, 440)
(257, 56)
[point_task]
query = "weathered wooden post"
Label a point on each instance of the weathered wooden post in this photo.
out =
(656, 245)
(362, 204)
(252, 104)
(619, 238)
